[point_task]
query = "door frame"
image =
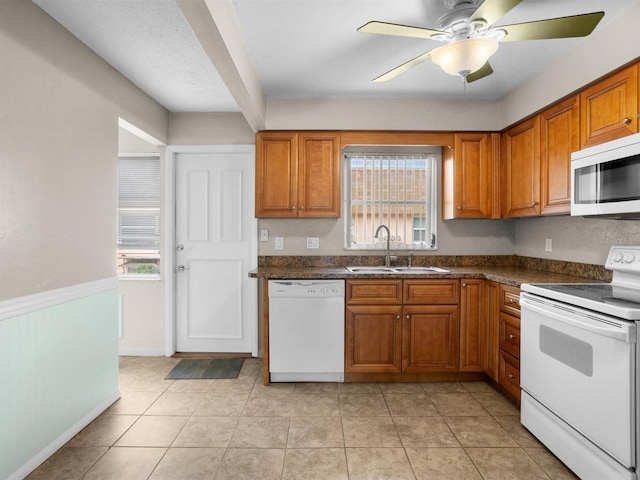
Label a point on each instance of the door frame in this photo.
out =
(169, 239)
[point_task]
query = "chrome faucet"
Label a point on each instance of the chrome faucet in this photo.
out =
(387, 257)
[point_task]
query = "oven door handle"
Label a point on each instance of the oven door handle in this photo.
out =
(624, 332)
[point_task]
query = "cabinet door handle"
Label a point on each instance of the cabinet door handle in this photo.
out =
(533, 204)
(464, 285)
(293, 207)
(511, 376)
(397, 317)
(512, 336)
(626, 120)
(301, 207)
(459, 207)
(408, 317)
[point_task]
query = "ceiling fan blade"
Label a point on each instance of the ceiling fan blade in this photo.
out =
(493, 10)
(482, 72)
(402, 68)
(384, 28)
(563, 27)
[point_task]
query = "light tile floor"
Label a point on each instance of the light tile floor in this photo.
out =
(240, 429)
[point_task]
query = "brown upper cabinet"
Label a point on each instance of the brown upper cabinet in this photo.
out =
(298, 174)
(521, 158)
(609, 109)
(559, 136)
(468, 174)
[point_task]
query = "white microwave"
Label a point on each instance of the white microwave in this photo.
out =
(605, 179)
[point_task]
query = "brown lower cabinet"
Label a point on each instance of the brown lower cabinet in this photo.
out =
(374, 338)
(492, 339)
(430, 338)
(414, 327)
(509, 341)
(509, 379)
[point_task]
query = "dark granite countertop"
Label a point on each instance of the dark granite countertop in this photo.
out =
(510, 275)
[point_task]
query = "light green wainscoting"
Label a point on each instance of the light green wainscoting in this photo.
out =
(58, 370)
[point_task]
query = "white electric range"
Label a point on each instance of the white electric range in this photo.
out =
(579, 369)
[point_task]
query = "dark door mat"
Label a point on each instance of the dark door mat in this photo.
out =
(190, 368)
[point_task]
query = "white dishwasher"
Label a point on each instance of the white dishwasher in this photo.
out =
(306, 330)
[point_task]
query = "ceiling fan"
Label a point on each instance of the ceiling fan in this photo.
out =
(470, 36)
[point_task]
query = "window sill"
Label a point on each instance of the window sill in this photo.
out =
(140, 278)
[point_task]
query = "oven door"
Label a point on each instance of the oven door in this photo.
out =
(581, 366)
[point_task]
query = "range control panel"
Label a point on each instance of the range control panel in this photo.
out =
(624, 259)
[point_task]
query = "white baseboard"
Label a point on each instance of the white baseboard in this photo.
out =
(59, 442)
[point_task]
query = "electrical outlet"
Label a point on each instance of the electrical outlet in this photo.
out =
(313, 243)
(547, 245)
(264, 235)
(279, 243)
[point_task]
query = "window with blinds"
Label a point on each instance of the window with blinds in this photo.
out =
(138, 237)
(398, 191)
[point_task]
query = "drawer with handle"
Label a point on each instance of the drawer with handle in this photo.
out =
(510, 334)
(510, 375)
(510, 299)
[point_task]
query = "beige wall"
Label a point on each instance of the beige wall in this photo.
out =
(143, 317)
(58, 149)
(574, 239)
(455, 237)
(209, 129)
(383, 114)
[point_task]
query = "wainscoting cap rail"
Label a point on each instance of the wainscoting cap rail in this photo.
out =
(38, 301)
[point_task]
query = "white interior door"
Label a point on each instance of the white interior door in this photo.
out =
(216, 247)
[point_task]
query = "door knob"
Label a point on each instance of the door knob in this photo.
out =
(179, 247)
(182, 268)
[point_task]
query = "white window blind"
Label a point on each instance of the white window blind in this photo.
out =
(395, 190)
(139, 203)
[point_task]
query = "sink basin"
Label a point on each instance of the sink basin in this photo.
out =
(374, 269)
(421, 270)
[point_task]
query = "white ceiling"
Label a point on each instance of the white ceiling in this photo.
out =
(300, 48)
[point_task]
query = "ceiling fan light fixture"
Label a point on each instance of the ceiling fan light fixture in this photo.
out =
(464, 56)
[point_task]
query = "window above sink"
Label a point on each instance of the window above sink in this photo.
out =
(395, 186)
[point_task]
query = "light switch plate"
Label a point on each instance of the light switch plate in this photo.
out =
(313, 243)
(279, 243)
(264, 235)
(547, 245)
